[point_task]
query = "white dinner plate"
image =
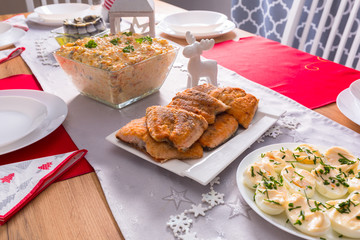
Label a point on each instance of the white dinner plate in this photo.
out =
(195, 21)
(62, 11)
(56, 114)
(280, 220)
(205, 169)
(14, 35)
(19, 116)
(348, 106)
(224, 28)
(34, 17)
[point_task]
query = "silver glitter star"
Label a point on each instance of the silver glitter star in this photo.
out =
(177, 197)
(239, 207)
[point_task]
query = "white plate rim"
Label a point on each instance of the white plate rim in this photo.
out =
(16, 35)
(245, 191)
(205, 169)
(57, 112)
(343, 100)
(35, 124)
(35, 18)
(227, 26)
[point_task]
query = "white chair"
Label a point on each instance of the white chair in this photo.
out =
(352, 21)
(30, 3)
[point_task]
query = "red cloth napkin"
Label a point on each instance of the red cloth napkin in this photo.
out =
(307, 79)
(57, 142)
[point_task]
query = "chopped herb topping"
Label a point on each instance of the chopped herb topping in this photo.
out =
(262, 155)
(344, 207)
(128, 49)
(298, 222)
(144, 39)
(127, 34)
(115, 41)
(91, 44)
(252, 172)
(272, 201)
(344, 160)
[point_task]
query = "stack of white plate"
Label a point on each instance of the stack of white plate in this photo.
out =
(27, 116)
(348, 102)
(55, 14)
(202, 24)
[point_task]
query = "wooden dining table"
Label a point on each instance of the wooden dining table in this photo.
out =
(76, 208)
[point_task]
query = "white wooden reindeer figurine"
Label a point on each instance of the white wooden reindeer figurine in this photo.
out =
(198, 68)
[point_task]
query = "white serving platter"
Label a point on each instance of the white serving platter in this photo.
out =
(347, 104)
(19, 116)
(280, 220)
(205, 169)
(56, 113)
(62, 11)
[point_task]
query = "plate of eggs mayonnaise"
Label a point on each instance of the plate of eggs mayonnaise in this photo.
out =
(310, 191)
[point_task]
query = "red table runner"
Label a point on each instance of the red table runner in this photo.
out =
(305, 78)
(57, 142)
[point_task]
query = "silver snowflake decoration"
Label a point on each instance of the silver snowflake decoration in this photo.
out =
(213, 198)
(177, 197)
(179, 223)
(198, 210)
(215, 181)
(289, 122)
(239, 207)
(273, 132)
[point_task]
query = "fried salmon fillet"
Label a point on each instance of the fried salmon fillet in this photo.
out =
(199, 103)
(179, 127)
(224, 127)
(243, 105)
(136, 133)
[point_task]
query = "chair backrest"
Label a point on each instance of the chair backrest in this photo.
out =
(346, 15)
(31, 4)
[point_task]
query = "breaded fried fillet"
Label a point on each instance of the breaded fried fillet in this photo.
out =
(136, 133)
(198, 103)
(224, 127)
(243, 105)
(179, 127)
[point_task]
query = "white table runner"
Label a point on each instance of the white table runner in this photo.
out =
(142, 196)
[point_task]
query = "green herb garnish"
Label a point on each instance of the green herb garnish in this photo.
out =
(91, 44)
(144, 39)
(128, 49)
(127, 34)
(115, 41)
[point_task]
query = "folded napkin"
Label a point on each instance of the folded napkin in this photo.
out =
(9, 54)
(18, 21)
(21, 182)
(57, 142)
(305, 78)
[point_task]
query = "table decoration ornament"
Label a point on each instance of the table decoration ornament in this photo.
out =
(134, 9)
(197, 67)
(22, 181)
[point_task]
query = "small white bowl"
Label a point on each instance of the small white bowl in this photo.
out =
(355, 90)
(62, 11)
(5, 28)
(195, 21)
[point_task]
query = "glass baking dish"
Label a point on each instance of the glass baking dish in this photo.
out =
(122, 87)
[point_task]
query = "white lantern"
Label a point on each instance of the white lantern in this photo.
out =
(133, 9)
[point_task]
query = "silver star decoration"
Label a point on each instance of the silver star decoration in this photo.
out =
(177, 197)
(239, 207)
(198, 210)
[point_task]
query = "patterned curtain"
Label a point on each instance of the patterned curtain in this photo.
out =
(268, 18)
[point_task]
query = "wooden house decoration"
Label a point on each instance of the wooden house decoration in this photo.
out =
(133, 9)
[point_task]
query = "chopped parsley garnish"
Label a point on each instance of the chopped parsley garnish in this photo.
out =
(115, 41)
(144, 39)
(127, 34)
(91, 44)
(106, 35)
(128, 49)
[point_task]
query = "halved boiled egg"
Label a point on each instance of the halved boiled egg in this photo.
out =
(306, 156)
(330, 181)
(354, 184)
(275, 158)
(257, 172)
(307, 215)
(341, 158)
(271, 197)
(299, 180)
(345, 215)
